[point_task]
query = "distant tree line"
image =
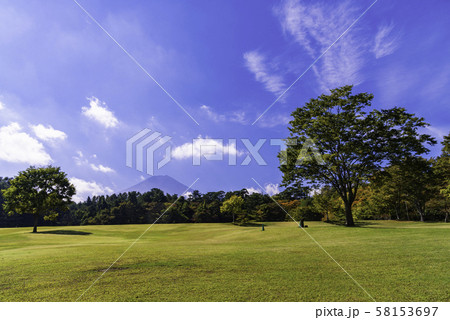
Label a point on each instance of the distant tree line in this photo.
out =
(137, 208)
(414, 190)
(344, 161)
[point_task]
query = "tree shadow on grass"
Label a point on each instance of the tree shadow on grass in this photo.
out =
(357, 223)
(253, 224)
(67, 232)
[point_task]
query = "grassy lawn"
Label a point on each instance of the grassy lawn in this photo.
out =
(393, 261)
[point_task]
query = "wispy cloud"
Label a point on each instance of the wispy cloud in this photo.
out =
(81, 160)
(256, 63)
(17, 146)
(273, 121)
(48, 134)
(154, 124)
(211, 115)
(385, 42)
(2, 106)
(315, 27)
(99, 112)
(102, 168)
(85, 189)
(438, 132)
(238, 117)
(235, 116)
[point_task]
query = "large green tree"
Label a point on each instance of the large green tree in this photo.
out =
(353, 143)
(39, 191)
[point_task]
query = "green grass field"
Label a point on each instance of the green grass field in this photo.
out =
(393, 261)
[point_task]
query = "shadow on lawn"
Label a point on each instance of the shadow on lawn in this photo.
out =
(252, 224)
(377, 225)
(357, 223)
(67, 232)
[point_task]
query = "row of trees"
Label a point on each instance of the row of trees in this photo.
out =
(409, 191)
(238, 207)
(364, 163)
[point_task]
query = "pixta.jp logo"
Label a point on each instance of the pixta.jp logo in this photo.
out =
(143, 145)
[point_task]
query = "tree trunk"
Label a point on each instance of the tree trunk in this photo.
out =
(349, 215)
(36, 219)
(397, 205)
(407, 213)
(421, 211)
(446, 211)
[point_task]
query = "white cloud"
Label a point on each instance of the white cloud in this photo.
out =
(81, 160)
(211, 114)
(48, 133)
(438, 132)
(315, 27)
(187, 194)
(19, 146)
(206, 146)
(102, 168)
(272, 189)
(99, 112)
(236, 116)
(2, 105)
(270, 122)
(252, 190)
(256, 64)
(385, 42)
(88, 188)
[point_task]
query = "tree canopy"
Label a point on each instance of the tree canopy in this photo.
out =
(40, 192)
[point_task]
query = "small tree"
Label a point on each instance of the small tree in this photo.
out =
(326, 201)
(40, 192)
(420, 182)
(234, 205)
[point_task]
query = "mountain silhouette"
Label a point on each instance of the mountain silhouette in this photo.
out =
(165, 183)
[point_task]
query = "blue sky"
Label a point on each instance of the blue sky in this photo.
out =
(71, 97)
